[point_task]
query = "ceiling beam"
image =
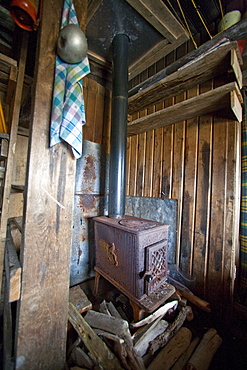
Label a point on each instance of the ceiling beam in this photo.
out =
(159, 16)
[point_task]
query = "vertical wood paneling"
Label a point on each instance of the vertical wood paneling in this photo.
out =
(215, 262)
(149, 175)
(141, 164)
(229, 224)
(99, 114)
(178, 177)
(202, 212)
(107, 121)
(128, 164)
(167, 161)
(133, 165)
(168, 146)
(189, 197)
(195, 163)
(90, 106)
(157, 166)
(217, 246)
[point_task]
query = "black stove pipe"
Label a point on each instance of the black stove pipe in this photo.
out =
(117, 175)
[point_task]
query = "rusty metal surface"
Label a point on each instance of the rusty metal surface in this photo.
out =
(122, 253)
(89, 201)
(92, 170)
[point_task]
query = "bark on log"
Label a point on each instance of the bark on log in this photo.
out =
(164, 338)
(148, 335)
(172, 351)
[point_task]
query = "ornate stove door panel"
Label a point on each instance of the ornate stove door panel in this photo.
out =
(156, 266)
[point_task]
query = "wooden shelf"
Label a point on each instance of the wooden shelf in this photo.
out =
(219, 59)
(214, 100)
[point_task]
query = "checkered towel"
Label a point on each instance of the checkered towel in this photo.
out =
(68, 113)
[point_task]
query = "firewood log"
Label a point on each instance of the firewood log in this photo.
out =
(203, 305)
(120, 328)
(164, 338)
(152, 331)
(158, 313)
(172, 351)
(182, 361)
(205, 351)
(106, 359)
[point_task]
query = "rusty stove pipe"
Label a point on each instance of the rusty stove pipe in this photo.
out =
(117, 175)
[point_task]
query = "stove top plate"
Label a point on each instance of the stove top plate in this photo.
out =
(137, 224)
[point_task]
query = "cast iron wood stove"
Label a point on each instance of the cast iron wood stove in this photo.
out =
(131, 253)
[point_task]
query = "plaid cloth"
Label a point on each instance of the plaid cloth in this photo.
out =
(243, 215)
(68, 113)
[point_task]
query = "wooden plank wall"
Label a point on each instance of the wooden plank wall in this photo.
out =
(97, 100)
(196, 162)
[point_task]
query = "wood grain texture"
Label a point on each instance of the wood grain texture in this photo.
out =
(215, 100)
(168, 355)
(42, 314)
(199, 168)
(204, 175)
(202, 69)
(189, 196)
(141, 155)
(103, 356)
(157, 163)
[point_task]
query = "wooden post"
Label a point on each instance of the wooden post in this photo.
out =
(48, 208)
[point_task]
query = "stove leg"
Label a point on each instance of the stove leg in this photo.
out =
(137, 311)
(96, 283)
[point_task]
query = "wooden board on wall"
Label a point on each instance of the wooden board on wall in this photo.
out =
(98, 112)
(204, 173)
(189, 191)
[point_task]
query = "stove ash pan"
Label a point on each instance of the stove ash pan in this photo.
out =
(131, 253)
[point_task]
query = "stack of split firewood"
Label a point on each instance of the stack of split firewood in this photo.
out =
(161, 340)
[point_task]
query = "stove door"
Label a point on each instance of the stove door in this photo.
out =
(156, 266)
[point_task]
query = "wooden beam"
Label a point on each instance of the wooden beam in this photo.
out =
(208, 65)
(234, 33)
(236, 67)
(159, 16)
(213, 100)
(41, 324)
(93, 6)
